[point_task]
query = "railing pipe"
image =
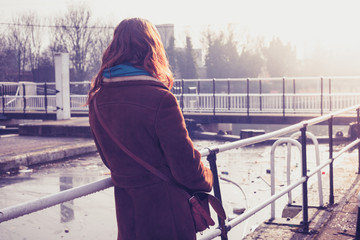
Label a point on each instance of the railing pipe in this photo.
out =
(53, 199)
(272, 167)
(346, 148)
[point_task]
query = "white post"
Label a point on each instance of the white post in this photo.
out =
(62, 86)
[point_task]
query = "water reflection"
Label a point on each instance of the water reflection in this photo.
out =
(66, 208)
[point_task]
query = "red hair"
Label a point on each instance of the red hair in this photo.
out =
(135, 41)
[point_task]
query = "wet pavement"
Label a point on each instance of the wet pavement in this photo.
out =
(93, 217)
(90, 217)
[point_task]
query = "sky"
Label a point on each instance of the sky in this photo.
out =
(304, 23)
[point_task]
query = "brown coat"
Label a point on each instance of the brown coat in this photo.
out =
(146, 118)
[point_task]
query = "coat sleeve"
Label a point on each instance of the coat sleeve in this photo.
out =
(184, 161)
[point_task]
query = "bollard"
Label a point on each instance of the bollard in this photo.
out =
(358, 220)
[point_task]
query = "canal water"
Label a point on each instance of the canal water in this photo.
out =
(93, 217)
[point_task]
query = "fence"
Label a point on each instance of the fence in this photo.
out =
(272, 95)
(211, 155)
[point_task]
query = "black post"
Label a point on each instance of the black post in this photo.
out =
(321, 95)
(260, 92)
(331, 170)
(216, 185)
(248, 97)
(199, 98)
(214, 99)
(294, 92)
(229, 100)
(3, 97)
(330, 94)
(305, 221)
(283, 97)
(24, 98)
(45, 99)
(182, 95)
(357, 236)
(358, 124)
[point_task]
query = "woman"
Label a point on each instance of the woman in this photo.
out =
(132, 91)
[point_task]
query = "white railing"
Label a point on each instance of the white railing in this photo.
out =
(267, 103)
(36, 205)
(268, 95)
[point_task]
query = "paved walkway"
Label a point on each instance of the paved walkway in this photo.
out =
(42, 142)
(335, 222)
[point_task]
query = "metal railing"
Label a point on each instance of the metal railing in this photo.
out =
(210, 154)
(267, 95)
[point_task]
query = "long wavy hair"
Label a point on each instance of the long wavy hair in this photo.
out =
(135, 41)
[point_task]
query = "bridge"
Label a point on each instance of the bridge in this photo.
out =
(236, 100)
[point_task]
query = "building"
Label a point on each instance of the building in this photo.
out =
(166, 32)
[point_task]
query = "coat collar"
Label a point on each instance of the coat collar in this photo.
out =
(134, 82)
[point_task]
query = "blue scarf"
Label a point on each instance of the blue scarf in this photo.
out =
(123, 70)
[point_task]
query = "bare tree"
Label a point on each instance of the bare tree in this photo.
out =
(34, 30)
(102, 37)
(18, 41)
(75, 35)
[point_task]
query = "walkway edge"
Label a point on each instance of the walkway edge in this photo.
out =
(45, 156)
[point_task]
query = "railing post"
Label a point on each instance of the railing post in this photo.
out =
(199, 98)
(24, 98)
(228, 88)
(3, 97)
(213, 88)
(294, 95)
(45, 99)
(283, 96)
(321, 95)
(331, 170)
(260, 92)
(358, 124)
(248, 97)
(305, 222)
(182, 95)
(357, 236)
(216, 185)
(330, 95)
